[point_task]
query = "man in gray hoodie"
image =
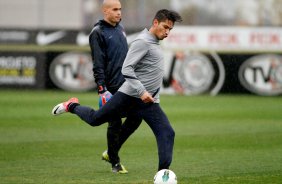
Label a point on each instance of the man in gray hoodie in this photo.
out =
(139, 95)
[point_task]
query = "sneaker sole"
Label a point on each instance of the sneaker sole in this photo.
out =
(120, 172)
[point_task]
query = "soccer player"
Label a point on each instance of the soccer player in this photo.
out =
(143, 70)
(109, 47)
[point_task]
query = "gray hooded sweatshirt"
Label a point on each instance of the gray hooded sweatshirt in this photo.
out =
(143, 67)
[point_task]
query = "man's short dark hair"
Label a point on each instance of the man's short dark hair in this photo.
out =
(165, 14)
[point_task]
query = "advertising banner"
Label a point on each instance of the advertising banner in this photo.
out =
(22, 70)
(198, 60)
(44, 37)
(225, 39)
(225, 59)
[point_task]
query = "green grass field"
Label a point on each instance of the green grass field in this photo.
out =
(222, 139)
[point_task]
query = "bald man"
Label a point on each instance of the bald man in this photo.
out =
(109, 47)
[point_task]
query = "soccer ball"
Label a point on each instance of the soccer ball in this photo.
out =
(165, 176)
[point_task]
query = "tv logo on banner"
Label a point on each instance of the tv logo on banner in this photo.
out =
(262, 74)
(72, 71)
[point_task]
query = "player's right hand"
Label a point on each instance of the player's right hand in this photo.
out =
(147, 97)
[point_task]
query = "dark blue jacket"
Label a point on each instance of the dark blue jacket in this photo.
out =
(108, 48)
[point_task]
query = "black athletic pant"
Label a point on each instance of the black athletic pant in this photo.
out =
(121, 105)
(118, 133)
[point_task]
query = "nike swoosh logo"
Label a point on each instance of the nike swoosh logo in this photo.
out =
(45, 39)
(82, 39)
(55, 111)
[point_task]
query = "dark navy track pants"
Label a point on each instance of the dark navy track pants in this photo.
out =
(120, 105)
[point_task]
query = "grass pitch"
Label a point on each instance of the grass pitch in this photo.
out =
(222, 139)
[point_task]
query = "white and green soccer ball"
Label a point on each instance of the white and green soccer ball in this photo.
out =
(165, 176)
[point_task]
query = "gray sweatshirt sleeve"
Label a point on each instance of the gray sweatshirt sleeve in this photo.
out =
(137, 51)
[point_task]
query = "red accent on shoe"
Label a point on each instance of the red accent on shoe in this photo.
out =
(67, 103)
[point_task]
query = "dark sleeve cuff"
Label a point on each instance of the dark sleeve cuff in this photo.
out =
(101, 89)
